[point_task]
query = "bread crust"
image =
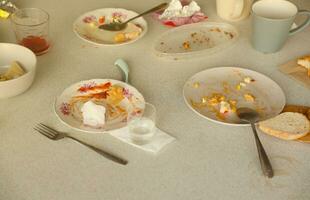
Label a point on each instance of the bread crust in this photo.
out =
(305, 139)
(281, 134)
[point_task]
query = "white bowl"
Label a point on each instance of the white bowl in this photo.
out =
(13, 52)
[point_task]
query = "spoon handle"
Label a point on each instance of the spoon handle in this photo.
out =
(159, 7)
(263, 158)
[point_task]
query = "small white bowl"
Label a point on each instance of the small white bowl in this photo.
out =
(13, 52)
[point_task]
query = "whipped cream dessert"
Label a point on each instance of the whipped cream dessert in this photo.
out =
(93, 114)
(175, 9)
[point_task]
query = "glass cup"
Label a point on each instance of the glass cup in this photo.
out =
(142, 128)
(31, 29)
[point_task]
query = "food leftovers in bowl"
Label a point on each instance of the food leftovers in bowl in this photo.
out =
(15, 70)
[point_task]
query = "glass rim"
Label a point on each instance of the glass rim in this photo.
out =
(37, 24)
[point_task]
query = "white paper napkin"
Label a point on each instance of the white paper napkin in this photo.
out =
(158, 142)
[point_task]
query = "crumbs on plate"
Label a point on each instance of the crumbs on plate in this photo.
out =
(186, 45)
(223, 103)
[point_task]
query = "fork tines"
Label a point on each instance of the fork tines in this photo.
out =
(46, 131)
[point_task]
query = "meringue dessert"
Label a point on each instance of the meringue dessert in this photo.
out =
(175, 9)
(93, 114)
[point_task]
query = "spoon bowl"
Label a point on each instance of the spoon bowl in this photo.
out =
(115, 26)
(247, 115)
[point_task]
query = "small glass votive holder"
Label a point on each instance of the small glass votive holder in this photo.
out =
(31, 27)
(142, 129)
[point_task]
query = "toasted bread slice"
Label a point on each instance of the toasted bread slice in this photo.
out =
(287, 126)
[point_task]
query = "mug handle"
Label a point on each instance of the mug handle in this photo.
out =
(303, 25)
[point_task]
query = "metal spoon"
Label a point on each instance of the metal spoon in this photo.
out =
(115, 26)
(251, 116)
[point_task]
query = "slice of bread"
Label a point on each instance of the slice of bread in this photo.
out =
(287, 126)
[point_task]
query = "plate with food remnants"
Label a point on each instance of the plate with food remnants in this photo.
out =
(99, 105)
(199, 39)
(217, 93)
(87, 26)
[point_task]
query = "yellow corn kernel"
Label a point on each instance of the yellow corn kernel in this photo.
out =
(120, 37)
(204, 100)
(196, 85)
(249, 97)
(4, 14)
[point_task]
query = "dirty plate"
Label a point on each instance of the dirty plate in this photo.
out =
(86, 27)
(195, 40)
(120, 100)
(216, 93)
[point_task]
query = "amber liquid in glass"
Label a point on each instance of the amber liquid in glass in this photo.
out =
(36, 44)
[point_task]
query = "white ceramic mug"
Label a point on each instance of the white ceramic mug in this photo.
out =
(233, 10)
(271, 24)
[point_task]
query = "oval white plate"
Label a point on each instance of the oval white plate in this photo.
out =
(269, 97)
(202, 38)
(84, 28)
(133, 104)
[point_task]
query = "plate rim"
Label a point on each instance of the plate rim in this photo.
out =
(93, 131)
(221, 122)
(144, 31)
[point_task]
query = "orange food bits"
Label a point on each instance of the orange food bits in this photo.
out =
(101, 20)
(186, 45)
(120, 37)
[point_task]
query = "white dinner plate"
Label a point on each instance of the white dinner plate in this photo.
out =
(199, 92)
(120, 100)
(198, 39)
(86, 26)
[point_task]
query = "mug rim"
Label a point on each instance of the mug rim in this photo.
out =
(274, 19)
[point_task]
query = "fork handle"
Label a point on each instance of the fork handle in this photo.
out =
(101, 152)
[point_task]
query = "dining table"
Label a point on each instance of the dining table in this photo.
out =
(206, 161)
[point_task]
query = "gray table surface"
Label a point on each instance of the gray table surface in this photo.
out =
(208, 161)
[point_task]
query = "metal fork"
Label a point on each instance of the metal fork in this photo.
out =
(56, 135)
